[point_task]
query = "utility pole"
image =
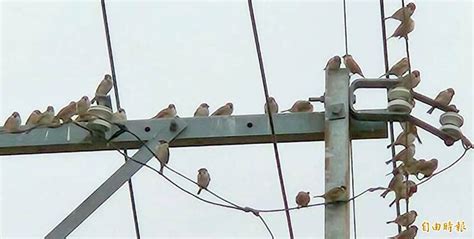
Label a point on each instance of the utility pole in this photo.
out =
(337, 140)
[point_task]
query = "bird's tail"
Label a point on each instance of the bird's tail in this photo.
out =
(389, 161)
(93, 100)
(390, 221)
(161, 168)
(391, 204)
(387, 18)
(288, 110)
(320, 196)
(384, 194)
(419, 139)
(199, 191)
(430, 110)
(390, 145)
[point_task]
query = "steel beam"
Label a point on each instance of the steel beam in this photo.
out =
(337, 139)
(201, 131)
(113, 183)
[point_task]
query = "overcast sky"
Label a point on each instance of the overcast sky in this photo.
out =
(188, 52)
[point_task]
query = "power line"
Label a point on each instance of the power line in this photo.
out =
(272, 127)
(117, 102)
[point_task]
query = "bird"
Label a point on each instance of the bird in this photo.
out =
(168, 112)
(202, 110)
(300, 106)
(404, 29)
(103, 88)
(226, 109)
(352, 65)
(404, 191)
(203, 179)
(403, 12)
(409, 233)
(162, 152)
(302, 199)
(412, 80)
(67, 112)
(394, 183)
(273, 106)
(405, 219)
(83, 105)
(334, 63)
(33, 118)
(119, 117)
(12, 124)
(399, 69)
(407, 168)
(405, 155)
(444, 97)
(404, 138)
(47, 117)
(426, 168)
(335, 194)
(411, 129)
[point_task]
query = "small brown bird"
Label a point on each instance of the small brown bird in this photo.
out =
(273, 105)
(399, 69)
(335, 194)
(103, 88)
(404, 191)
(119, 117)
(404, 139)
(403, 12)
(405, 155)
(83, 105)
(411, 129)
(409, 233)
(202, 110)
(33, 118)
(404, 29)
(412, 80)
(407, 168)
(352, 65)
(162, 151)
(300, 106)
(47, 117)
(444, 98)
(405, 219)
(12, 124)
(302, 199)
(203, 179)
(334, 63)
(226, 109)
(67, 112)
(169, 112)
(395, 183)
(426, 168)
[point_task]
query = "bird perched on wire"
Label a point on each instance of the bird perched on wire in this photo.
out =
(334, 63)
(412, 80)
(394, 183)
(405, 155)
(399, 69)
(352, 65)
(404, 191)
(203, 179)
(202, 110)
(302, 199)
(407, 168)
(67, 112)
(426, 168)
(444, 98)
(33, 118)
(411, 129)
(335, 194)
(409, 233)
(404, 12)
(168, 112)
(162, 152)
(12, 124)
(404, 29)
(226, 109)
(404, 138)
(103, 88)
(405, 219)
(119, 117)
(300, 106)
(273, 106)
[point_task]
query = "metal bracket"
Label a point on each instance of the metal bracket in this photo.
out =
(336, 111)
(114, 182)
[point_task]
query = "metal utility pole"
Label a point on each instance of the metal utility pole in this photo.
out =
(337, 139)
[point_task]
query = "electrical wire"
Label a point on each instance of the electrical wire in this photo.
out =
(117, 102)
(385, 54)
(270, 118)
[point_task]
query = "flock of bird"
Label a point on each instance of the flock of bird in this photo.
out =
(410, 166)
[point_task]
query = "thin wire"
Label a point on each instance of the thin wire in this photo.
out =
(354, 218)
(444, 169)
(272, 127)
(385, 54)
(117, 102)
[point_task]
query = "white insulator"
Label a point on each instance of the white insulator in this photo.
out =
(399, 93)
(452, 130)
(451, 118)
(399, 106)
(101, 112)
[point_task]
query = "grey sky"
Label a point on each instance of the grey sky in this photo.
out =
(188, 52)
